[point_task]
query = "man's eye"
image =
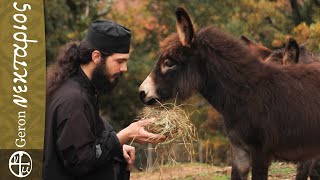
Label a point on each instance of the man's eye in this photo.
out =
(121, 61)
(169, 63)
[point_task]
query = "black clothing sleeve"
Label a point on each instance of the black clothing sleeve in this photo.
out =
(78, 149)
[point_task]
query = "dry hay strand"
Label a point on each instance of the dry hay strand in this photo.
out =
(173, 122)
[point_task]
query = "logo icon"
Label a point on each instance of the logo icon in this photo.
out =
(20, 164)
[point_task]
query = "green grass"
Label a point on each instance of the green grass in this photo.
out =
(197, 171)
(207, 176)
(224, 177)
(283, 170)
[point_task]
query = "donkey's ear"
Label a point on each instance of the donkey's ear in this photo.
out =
(246, 40)
(291, 53)
(184, 27)
(259, 50)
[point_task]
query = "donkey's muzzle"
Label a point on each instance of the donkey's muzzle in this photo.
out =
(142, 95)
(145, 100)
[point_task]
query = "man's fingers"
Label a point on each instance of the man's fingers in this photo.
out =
(156, 139)
(132, 155)
(150, 135)
(126, 157)
(151, 139)
(146, 121)
(129, 154)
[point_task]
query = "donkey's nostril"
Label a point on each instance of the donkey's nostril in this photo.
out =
(142, 95)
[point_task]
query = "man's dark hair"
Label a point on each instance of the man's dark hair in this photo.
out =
(67, 63)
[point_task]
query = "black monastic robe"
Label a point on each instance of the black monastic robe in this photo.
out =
(79, 144)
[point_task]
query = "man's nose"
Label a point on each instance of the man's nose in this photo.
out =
(123, 68)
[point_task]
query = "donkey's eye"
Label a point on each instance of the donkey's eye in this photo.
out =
(169, 63)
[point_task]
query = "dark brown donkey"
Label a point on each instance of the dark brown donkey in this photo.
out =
(291, 54)
(269, 111)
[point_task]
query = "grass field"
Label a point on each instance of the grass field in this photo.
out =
(197, 171)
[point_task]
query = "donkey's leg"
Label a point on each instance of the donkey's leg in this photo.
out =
(241, 163)
(237, 175)
(260, 165)
(303, 169)
(314, 170)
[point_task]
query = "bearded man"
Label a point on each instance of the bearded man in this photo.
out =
(79, 144)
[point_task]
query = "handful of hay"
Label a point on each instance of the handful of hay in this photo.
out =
(173, 122)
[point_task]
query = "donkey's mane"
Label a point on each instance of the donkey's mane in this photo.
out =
(216, 40)
(229, 54)
(231, 61)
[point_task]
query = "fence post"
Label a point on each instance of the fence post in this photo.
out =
(200, 151)
(150, 159)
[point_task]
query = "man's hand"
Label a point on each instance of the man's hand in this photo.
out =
(140, 135)
(129, 154)
(136, 132)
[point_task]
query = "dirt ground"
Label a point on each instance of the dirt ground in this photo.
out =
(197, 171)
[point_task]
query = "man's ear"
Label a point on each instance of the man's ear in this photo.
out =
(96, 56)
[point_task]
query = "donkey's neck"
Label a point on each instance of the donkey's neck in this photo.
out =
(232, 71)
(228, 87)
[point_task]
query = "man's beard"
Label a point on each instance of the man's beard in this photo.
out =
(101, 79)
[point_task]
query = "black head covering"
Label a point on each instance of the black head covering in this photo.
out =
(108, 37)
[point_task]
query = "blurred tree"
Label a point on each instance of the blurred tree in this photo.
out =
(67, 20)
